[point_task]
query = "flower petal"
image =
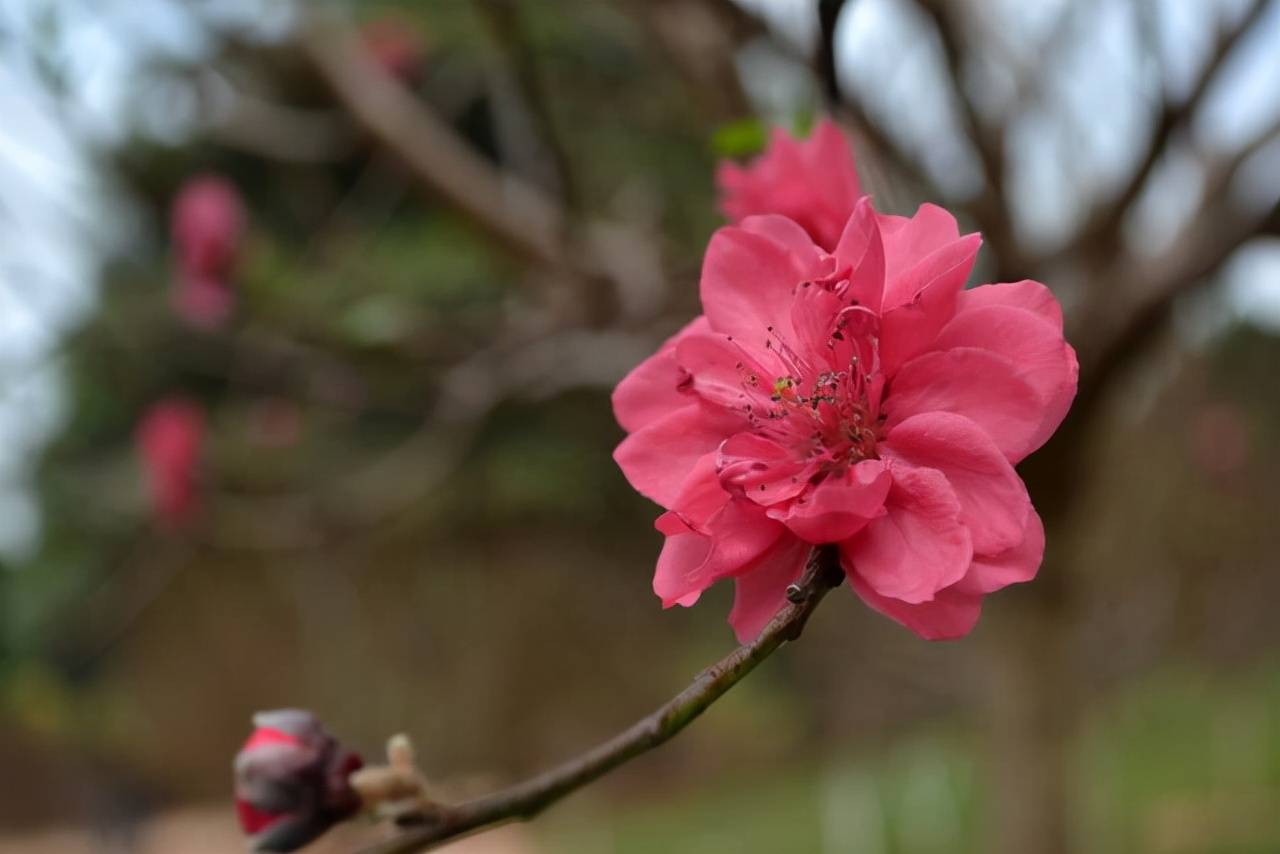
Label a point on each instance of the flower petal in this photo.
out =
(839, 506)
(650, 391)
(951, 614)
(657, 458)
(762, 591)
(919, 546)
(993, 500)
(1013, 566)
(747, 279)
(909, 241)
(1035, 348)
(675, 580)
(701, 496)
(762, 470)
(920, 301)
(862, 251)
(736, 538)
(1026, 294)
(978, 384)
(721, 373)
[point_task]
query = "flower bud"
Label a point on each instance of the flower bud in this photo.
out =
(207, 222)
(291, 781)
(168, 439)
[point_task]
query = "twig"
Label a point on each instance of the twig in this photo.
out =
(516, 214)
(525, 800)
(503, 18)
(1105, 221)
(828, 16)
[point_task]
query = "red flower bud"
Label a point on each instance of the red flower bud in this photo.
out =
(291, 781)
(207, 222)
(168, 439)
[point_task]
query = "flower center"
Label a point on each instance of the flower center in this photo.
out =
(824, 403)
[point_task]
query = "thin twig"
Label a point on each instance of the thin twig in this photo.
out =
(1173, 117)
(525, 800)
(513, 212)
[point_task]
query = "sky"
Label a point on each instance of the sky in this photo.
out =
(59, 216)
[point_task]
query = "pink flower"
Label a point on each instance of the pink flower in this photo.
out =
(207, 223)
(169, 439)
(860, 397)
(292, 781)
(812, 181)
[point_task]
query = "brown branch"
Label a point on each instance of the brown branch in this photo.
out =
(825, 59)
(505, 24)
(990, 209)
(1104, 223)
(525, 800)
(514, 213)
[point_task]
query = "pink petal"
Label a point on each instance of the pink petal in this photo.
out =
(784, 232)
(861, 250)
(951, 614)
(920, 302)
(657, 457)
(762, 470)
(1034, 346)
(993, 500)
(907, 242)
(681, 555)
(761, 592)
(919, 546)
(651, 390)
(828, 152)
(747, 280)
(701, 496)
(1014, 566)
(1026, 294)
(723, 374)
(737, 538)
(978, 384)
(839, 506)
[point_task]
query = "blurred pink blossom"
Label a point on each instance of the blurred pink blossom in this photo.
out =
(207, 223)
(168, 439)
(811, 181)
(858, 397)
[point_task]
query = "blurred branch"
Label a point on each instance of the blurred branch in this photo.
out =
(272, 130)
(517, 215)
(510, 34)
(701, 40)
(525, 800)
(991, 208)
(546, 363)
(825, 58)
(1208, 239)
(1102, 227)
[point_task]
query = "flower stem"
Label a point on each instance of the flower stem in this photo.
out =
(525, 800)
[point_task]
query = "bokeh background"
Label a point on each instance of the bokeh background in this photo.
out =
(466, 219)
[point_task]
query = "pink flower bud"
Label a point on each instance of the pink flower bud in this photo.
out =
(207, 223)
(168, 441)
(291, 781)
